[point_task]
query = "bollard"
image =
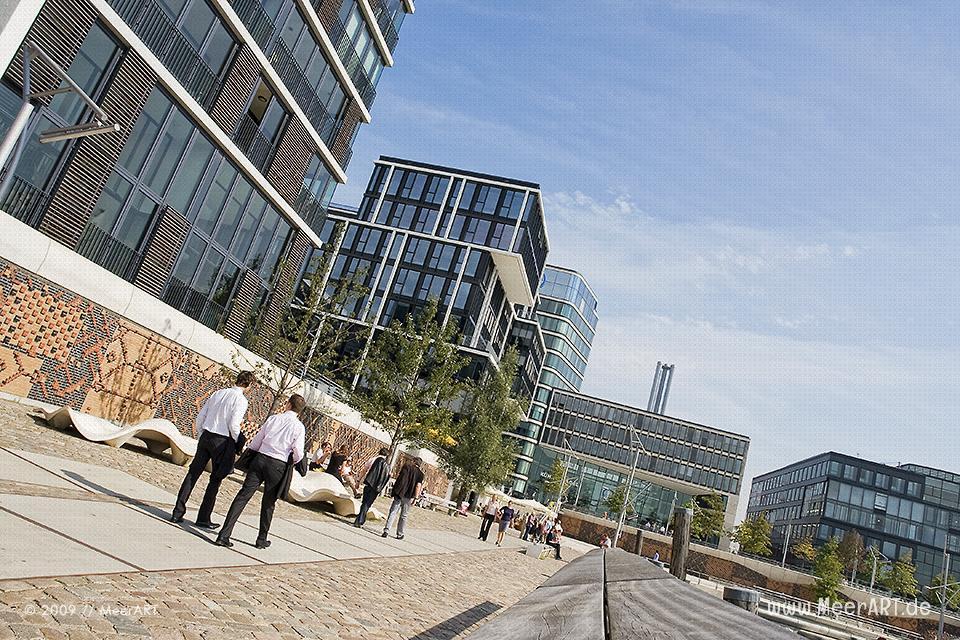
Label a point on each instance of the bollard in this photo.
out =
(744, 598)
(682, 518)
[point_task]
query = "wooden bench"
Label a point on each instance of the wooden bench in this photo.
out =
(642, 601)
(435, 503)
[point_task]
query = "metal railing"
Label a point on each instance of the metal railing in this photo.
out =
(113, 255)
(385, 22)
(311, 209)
(292, 75)
(258, 23)
(149, 21)
(250, 139)
(348, 55)
(25, 202)
(194, 304)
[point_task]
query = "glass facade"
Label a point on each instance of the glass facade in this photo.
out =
(906, 511)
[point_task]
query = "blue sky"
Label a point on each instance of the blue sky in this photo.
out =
(764, 194)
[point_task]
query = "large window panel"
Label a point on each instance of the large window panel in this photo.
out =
(145, 132)
(169, 150)
(135, 221)
(107, 210)
(216, 198)
(190, 173)
(87, 70)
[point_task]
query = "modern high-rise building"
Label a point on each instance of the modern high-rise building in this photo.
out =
(212, 136)
(476, 243)
(679, 461)
(566, 313)
(905, 511)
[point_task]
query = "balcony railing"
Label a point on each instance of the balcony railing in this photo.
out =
(25, 202)
(160, 34)
(195, 304)
(296, 81)
(116, 257)
(310, 209)
(258, 23)
(250, 139)
(348, 55)
(385, 22)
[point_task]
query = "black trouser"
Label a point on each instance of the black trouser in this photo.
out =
(210, 447)
(556, 547)
(485, 525)
(262, 470)
(369, 496)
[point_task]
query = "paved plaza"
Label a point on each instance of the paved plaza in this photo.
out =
(87, 551)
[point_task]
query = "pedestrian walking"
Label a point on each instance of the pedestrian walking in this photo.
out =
(405, 488)
(528, 527)
(553, 538)
(276, 448)
(375, 478)
(218, 424)
(506, 518)
(489, 515)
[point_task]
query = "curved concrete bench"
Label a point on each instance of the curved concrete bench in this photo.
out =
(158, 434)
(319, 486)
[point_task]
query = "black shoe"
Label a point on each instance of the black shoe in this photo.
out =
(384, 535)
(212, 526)
(222, 543)
(399, 537)
(262, 544)
(358, 525)
(176, 519)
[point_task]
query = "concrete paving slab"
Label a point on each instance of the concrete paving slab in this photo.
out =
(28, 550)
(104, 480)
(296, 533)
(368, 540)
(409, 545)
(282, 549)
(135, 534)
(16, 469)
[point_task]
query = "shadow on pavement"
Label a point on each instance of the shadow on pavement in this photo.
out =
(452, 627)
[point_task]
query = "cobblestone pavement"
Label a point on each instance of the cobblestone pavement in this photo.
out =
(429, 597)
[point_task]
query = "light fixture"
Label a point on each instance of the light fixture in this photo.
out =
(77, 131)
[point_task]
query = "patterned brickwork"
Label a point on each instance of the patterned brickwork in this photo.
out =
(62, 349)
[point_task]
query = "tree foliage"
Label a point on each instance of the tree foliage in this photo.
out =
(408, 382)
(828, 571)
(557, 480)
(479, 455)
(616, 502)
(900, 577)
(753, 535)
(804, 549)
(935, 592)
(305, 337)
(707, 517)
(851, 550)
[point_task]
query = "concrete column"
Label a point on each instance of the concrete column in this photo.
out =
(682, 519)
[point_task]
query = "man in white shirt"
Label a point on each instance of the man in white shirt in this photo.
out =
(279, 442)
(218, 426)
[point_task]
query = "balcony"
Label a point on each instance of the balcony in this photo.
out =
(302, 91)
(310, 209)
(194, 304)
(25, 202)
(351, 61)
(258, 148)
(385, 22)
(258, 23)
(160, 34)
(116, 257)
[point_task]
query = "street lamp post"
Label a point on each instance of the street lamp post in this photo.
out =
(635, 440)
(563, 478)
(876, 555)
(786, 544)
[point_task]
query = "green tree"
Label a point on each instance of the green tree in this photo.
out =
(804, 549)
(935, 592)
(828, 571)
(304, 338)
(753, 535)
(707, 517)
(900, 577)
(617, 501)
(557, 480)
(409, 379)
(478, 455)
(851, 550)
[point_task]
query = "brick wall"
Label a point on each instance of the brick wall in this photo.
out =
(60, 348)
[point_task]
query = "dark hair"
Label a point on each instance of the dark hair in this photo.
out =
(246, 378)
(383, 451)
(297, 403)
(325, 444)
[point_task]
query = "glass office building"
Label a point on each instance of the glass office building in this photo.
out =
(566, 313)
(906, 511)
(681, 460)
(235, 124)
(474, 242)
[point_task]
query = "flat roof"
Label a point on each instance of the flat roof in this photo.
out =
(472, 174)
(649, 413)
(833, 454)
